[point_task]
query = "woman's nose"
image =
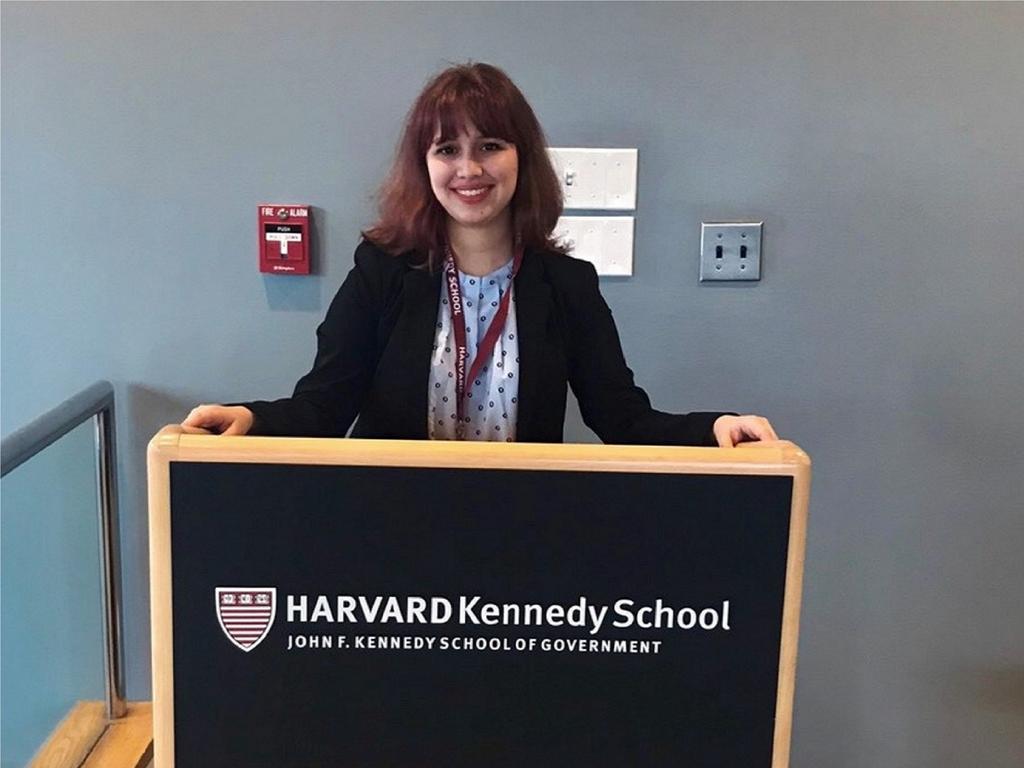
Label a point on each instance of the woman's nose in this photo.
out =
(468, 166)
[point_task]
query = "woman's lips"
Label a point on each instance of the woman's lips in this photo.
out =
(472, 195)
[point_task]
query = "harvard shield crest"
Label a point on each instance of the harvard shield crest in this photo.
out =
(246, 614)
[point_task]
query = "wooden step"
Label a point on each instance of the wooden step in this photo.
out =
(127, 742)
(84, 739)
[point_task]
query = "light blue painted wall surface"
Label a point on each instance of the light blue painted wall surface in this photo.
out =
(51, 630)
(881, 144)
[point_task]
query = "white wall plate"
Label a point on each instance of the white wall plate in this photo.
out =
(596, 179)
(604, 241)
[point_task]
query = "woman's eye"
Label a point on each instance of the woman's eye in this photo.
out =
(493, 146)
(445, 150)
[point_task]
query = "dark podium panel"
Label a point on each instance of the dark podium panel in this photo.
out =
(341, 615)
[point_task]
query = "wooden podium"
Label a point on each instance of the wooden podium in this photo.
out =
(408, 603)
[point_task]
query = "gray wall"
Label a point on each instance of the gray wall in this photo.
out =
(883, 145)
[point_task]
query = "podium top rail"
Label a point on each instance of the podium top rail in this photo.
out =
(779, 457)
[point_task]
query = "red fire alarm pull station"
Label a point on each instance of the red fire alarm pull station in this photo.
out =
(284, 239)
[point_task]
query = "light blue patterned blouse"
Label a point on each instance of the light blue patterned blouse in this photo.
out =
(492, 401)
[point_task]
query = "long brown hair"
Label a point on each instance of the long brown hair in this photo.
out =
(411, 218)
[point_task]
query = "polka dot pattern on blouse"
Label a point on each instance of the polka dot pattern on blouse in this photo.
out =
(492, 399)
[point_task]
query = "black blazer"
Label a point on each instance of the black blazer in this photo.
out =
(374, 348)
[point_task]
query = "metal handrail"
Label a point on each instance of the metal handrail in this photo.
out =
(97, 403)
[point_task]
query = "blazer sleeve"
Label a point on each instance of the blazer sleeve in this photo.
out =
(611, 403)
(327, 399)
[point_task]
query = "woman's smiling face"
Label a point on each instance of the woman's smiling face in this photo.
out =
(474, 177)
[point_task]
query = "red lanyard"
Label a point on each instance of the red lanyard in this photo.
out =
(486, 345)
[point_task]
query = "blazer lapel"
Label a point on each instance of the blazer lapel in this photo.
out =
(417, 323)
(533, 304)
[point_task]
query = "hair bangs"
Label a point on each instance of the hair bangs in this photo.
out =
(471, 105)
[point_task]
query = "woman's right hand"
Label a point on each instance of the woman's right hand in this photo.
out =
(218, 419)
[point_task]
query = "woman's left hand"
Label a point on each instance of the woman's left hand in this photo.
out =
(731, 430)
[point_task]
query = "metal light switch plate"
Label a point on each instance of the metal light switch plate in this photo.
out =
(730, 251)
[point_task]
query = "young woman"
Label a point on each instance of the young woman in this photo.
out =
(462, 318)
